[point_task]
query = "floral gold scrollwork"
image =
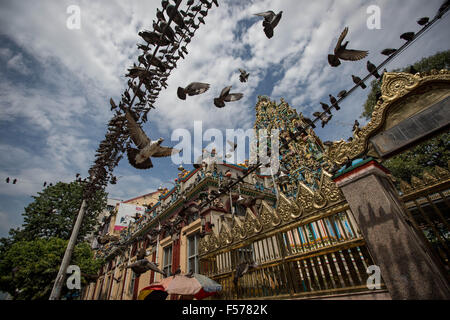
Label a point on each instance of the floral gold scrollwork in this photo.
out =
(395, 86)
(213, 242)
(225, 237)
(284, 208)
(305, 198)
(319, 200)
(429, 178)
(329, 188)
(416, 183)
(252, 224)
(202, 246)
(269, 217)
(238, 230)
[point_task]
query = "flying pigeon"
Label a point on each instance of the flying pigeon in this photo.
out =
(423, 21)
(341, 52)
(325, 119)
(407, 36)
(242, 269)
(388, 52)
(243, 77)
(233, 145)
(358, 81)
(141, 254)
(373, 69)
(143, 265)
(192, 89)
(271, 20)
(334, 102)
(140, 158)
(226, 96)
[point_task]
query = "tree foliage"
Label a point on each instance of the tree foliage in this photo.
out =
(28, 268)
(53, 212)
(35, 250)
(430, 153)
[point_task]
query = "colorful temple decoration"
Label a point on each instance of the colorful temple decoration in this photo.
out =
(304, 160)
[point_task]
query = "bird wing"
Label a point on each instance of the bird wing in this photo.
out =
(225, 91)
(341, 38)
(165, 152)
(138, 135)
(276, 20)
(268, 15)
(233, 97)
(232, 144)
(197, 88)
(353, 55)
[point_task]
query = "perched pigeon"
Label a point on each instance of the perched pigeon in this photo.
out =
(359, 82)
(7, 180)
(355, 126)
(341, 52)
(176, 16)
(45, 184)
(14, 181)
(334, 102)
(413, 70)
(271, 20)
(142, 266)
(243, 77)
(342, 94)
(140, 158)
(388, 52)
(423, 21)
(309, 122)
(443, 8)
(407, 36)
(326, 108)
(373, 69)
(226, 96)
(192, 89)
(325, 119)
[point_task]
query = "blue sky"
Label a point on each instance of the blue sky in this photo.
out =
(55, 83)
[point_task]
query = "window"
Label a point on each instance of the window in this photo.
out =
(167, 259)
(192, 249)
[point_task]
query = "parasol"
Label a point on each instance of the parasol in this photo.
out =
(153, 292)
(198, 286)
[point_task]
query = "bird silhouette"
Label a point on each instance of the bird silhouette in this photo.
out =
(442, 9)
(14, 181)
(341, 52)
(233, 145)
(192, 89)
(243, 77)
(242, 269)
(142, 266)
(334, 102)
(326, 108)
(226, 96)
(325, 119)
(342, 94)
(388, 52)
(373, 69)
(271, 20)
(359, 82)
(7, 180)
(407, 36)
(423, 21)
(140, 158)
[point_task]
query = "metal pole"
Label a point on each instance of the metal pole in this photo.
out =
(56, 291)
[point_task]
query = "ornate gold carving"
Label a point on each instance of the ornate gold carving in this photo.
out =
(238, 231)
(269, 217)
(429, 178)
(252, 224)
(284, 208)
(441, 172)
(225, 237)
(416, 183)
(305, 198)
(213, 242)
(405, 187)
(330, 189)
(395, 87)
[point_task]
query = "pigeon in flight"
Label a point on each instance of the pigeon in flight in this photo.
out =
(233, 145)
(143, 265)
(359, 82)
(226, 96)
(242, 269)
(373, 69)
(243, 77)
(341, 52)
(271, 20)
(140, 158)
(192, 89)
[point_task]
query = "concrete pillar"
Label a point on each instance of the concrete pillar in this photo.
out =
(407, 268)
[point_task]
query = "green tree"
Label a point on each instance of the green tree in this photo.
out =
(54, 211)
(28, 268)
(430, 153)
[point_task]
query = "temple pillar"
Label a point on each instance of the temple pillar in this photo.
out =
(407, 268)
